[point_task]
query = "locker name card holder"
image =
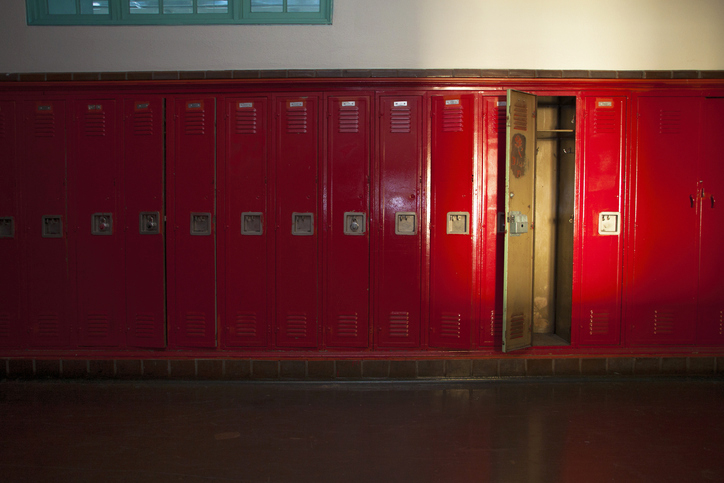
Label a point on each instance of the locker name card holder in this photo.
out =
(200, 224)
(7, 227)
(405, 223)
(458, 223)
(303, 224)
(355, 223)
(102, 224)
(52, 226)
(148, 223)
(251, 223)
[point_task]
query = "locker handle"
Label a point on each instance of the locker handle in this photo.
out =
(712, 201)
(691, 198)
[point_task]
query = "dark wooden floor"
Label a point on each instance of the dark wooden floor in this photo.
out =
(552, 430)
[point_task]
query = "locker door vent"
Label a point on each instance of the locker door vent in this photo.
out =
(349, 119)
(452, 118)
(604, 121)
(245, 325)
(721, 322)
(663, 322)
(44, 126)
(246, 121)
(4, 326)
(297, 325)
(95, 122)
(520, 116)
(496, 324)
(195, 123)
(143, 123)
(517, 322)
(669, 122)
(598, 323)
(399, 324)
(347, 325)
(501, 120)
(98, 325)
(195, 324)
(2, 125)
(400, 119)
(48, 326)
(297, 121)
(144, 326)
(450, 325)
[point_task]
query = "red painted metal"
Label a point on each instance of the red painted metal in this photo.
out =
(191, 184)
(247, 223)
(143, 164)
(96, 221)
(10, 236)
(452, 231)
(601, 255)
(347, 253)
(297, 221)
(398, 266)
(661, 303)
(47, 301)
(711, 197)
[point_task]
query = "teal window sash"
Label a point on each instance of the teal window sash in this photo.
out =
(119, 14)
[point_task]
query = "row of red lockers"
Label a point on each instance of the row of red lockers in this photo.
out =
(319, 221)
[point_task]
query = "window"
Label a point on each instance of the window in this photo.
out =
(178, 12)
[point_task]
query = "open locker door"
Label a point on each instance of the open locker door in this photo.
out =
(519, 203)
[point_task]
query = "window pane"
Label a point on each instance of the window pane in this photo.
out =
(178, 6)
(61, 7)
(144, 6)
(267, 6)
(213, 6)
(302, 5)
(96, 7)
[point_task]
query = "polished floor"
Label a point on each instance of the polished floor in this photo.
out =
(551, 430)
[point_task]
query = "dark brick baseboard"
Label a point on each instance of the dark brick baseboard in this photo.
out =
(245, 369)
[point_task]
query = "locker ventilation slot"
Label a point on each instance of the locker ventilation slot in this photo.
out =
(245, 325)
(246, 121)
(297, 121)
(663, 322)
(400, 120)
(598, 323)
(399, 324)
(347, 325)
(98, 326)
(144, 326)
(195, 123)
(604, 121)
(44, 124)
(2, 125)
(195, 325)
(297, 326)
(48, 326)
(496, 324)
(721, 322)
(349, 120)
(501, 121)
(95, 123)
(143, 123)
(4, 326)
(517, 322)
(450, 325)
(669, 122)
(452, 119)
(520, 116)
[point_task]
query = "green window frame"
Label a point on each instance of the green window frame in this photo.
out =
(177, 12)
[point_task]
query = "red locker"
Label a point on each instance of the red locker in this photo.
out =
(601, 262)
(143, 160)
(44, 223)
(96, 221)
(661, 302)
(491, 318)
(347, 264)
(244, 250)
(398, 273)
(452, 229)
(711, 193)
(296, 241)
(191, 175)
(10, 281)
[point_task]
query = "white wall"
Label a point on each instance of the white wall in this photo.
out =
(503, 34)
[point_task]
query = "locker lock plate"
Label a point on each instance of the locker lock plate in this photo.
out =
(148, 223)
(201, 224)
(251, 223)
(52, 226)
(518, 223)
(303, 224)
(7, 227)
(102, 224)
(405, 223)
(458, 223)
(609, 223)
(355, 223)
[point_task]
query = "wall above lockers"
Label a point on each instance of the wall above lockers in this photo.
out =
(399, 34)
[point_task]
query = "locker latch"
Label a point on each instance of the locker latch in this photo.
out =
(251, 223)
(102, 224)
(518, 223)
(458, 223)
(609, 223)
(52, 226)
(405, 223)
(355, 223)
(7, 227)
(148, 223)
(201, 224)
(303, 224)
